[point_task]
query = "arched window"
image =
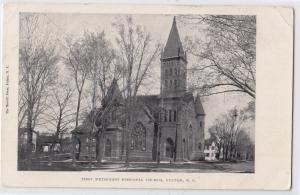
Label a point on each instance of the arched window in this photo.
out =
(138, 137)
(191, 135)
(166, 84)
(170, 115)
(190, 131)
(175, 116)
(165, 116)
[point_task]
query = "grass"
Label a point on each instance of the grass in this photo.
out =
(203, 166)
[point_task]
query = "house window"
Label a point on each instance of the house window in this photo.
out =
(175, 84)
(138, 137)
(33, 147)
(170, 115)
(175, 116)
(171, 84)
(207, 155)
(171, 71)
(212, 147)
(175, 71)
(166, 72)
(200, 123)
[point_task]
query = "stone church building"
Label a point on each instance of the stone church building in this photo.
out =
(168, 126)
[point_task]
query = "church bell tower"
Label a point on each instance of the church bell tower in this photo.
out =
(173, 66)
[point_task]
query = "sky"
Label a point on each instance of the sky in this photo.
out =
(74, 25)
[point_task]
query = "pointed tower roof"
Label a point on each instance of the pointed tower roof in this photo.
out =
(173, 47)
(198, 106)
(113, 93)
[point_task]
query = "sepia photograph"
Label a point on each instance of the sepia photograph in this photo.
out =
(136, 92)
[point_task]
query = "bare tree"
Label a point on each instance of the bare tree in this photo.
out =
(78, 61)
(37, 67)
(227, 54)
(101, 72)
(225, 133)
(60, 113)
(245, 147)
(136, 54)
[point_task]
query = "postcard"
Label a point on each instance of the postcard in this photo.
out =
(147, 96)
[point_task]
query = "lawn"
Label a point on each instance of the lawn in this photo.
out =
(203, 166)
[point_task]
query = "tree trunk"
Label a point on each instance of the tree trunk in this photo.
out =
(76, 125)
(74, 150)
(101, 147)
(29, 140)
(128, 133)
(77, 109)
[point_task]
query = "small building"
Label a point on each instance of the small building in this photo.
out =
(46, 141)
(210, 150)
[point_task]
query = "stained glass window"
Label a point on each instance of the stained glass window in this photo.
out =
(138, 137)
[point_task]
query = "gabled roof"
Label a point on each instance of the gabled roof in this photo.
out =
(47, 139)
(23, 130)
(151, 101)
(198, 106)
(150, 105)
(173, 47)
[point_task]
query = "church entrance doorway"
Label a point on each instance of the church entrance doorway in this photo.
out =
(107, 152)
(169, 148)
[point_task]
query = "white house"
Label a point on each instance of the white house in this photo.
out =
(210, 150)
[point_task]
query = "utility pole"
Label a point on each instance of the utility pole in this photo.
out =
(158, 145)
(160, 120)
